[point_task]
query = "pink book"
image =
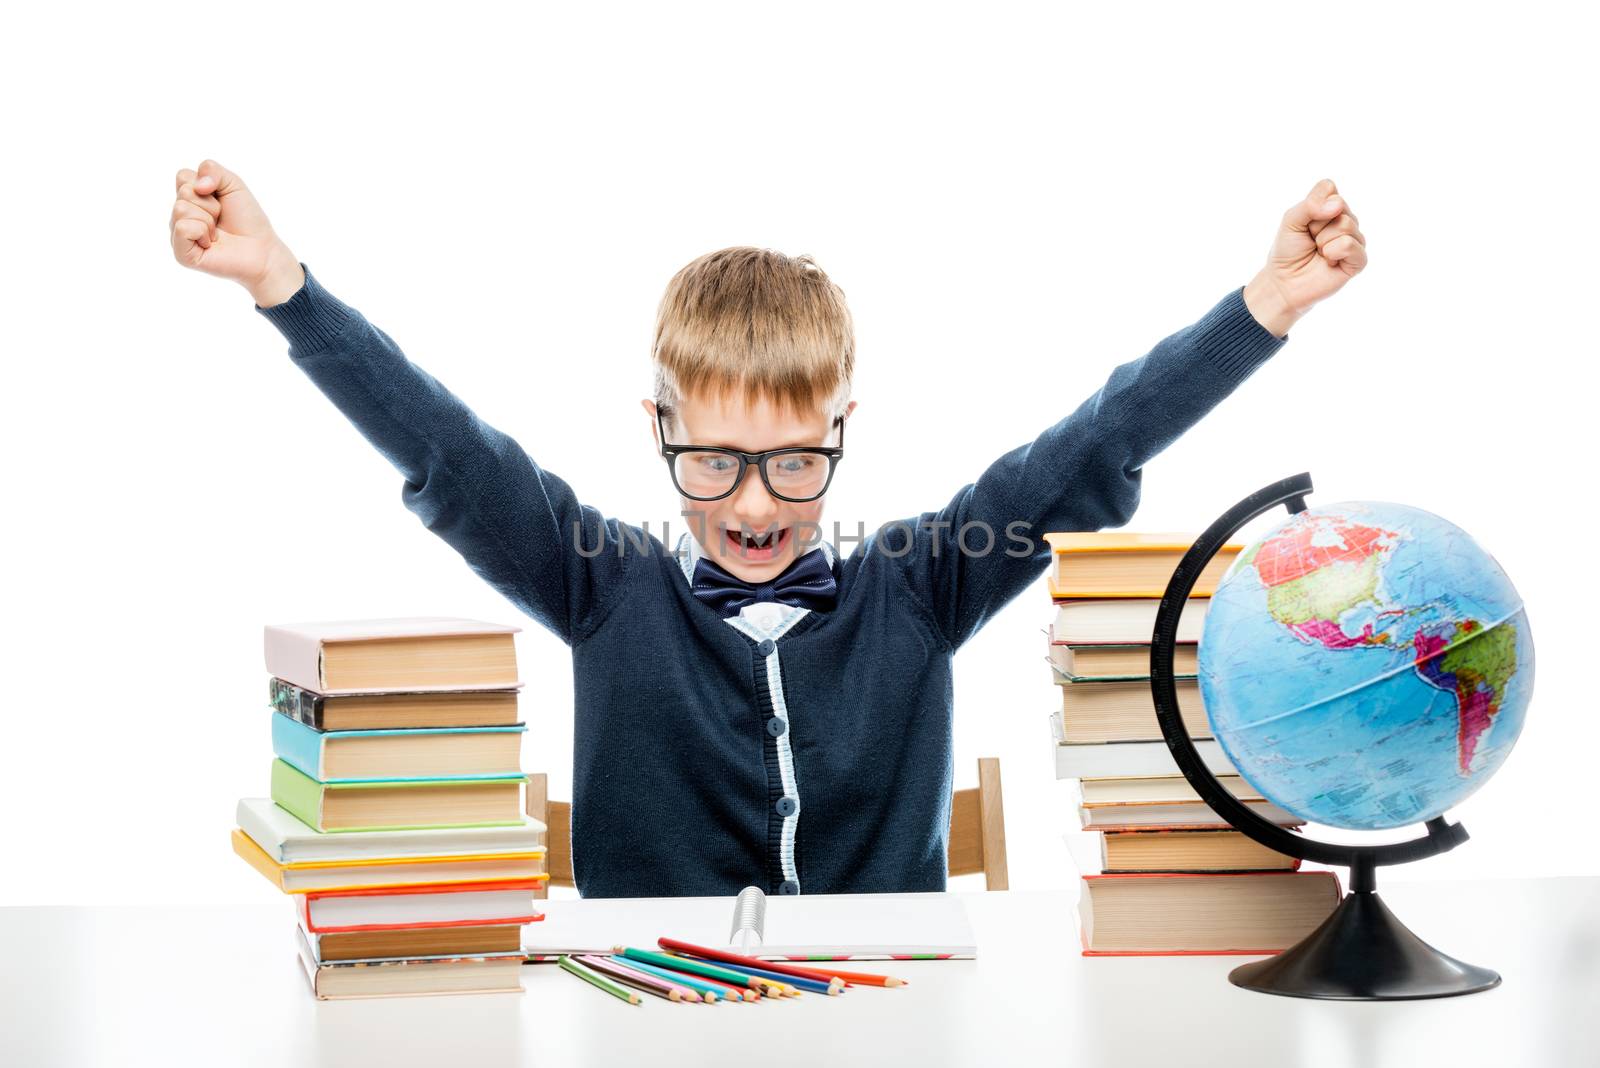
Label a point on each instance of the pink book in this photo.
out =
(413, 654)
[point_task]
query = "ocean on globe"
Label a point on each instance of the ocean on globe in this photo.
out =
(1366, 665)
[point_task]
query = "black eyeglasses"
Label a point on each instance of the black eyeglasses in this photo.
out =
(706, 473)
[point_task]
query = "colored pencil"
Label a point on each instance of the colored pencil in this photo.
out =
(596, 980)
(701, 968)
(708, 987)
(784, 967)
(724, 957)
(708, 990)
(639, 980)
(796, 982)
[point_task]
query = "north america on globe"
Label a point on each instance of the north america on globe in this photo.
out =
(1366, 664)
(1319, 571)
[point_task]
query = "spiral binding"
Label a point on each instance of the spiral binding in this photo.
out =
(749, 918)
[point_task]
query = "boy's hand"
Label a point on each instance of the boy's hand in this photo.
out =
(1318, 249)
(219, 228)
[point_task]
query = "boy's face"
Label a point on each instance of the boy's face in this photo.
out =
(717, 525)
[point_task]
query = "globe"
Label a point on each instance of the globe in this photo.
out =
(1366, 665)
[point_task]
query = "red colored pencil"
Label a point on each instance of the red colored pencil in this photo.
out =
(783, 967)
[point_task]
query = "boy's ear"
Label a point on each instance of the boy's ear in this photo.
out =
(650, 409)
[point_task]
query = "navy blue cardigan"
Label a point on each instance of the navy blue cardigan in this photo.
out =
(810, 754)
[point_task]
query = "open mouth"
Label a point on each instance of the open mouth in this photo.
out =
(760, 547)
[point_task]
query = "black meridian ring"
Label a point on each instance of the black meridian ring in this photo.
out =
(1441, 836)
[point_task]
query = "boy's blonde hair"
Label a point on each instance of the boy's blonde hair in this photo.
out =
(755, 322)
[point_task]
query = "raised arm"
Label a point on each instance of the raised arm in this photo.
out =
(471, 484)
(973, 556)
(474, 486)
(1084, 472)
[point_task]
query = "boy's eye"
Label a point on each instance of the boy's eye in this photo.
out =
(715, 462)
(794, 465)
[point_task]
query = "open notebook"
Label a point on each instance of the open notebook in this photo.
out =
(809, 926)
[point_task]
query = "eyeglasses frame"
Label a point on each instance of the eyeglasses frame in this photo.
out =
(835, 453)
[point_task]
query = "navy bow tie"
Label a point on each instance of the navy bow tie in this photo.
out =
(806, 583)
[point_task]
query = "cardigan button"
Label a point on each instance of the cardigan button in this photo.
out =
(787, 806)
(789, 887)
(777, 727)
(766, 647)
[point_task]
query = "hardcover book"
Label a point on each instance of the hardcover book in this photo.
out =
(287, 839)
(1126, 564)
(416, 653)
(377, 711)
(376, 874)
(403, 978)
(399, 755)
(386, 806)
(1117, 711)
(400, 907)
(1179, 913)
(415, 943)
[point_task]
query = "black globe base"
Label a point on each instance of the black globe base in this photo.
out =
(1362, 952)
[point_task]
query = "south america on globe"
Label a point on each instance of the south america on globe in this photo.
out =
(1366, 665)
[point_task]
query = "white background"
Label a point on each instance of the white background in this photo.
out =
(1015, 199)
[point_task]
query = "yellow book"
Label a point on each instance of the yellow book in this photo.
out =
(376, 872)
(1106, 564)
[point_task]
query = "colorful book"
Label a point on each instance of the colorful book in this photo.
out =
(375, 979)
(287, 839)
(400, 907)
(415, 653)
(1152, 913)
(1126, 564)
(402, 755)
(377, 711)
(419, 871)
(390, 806)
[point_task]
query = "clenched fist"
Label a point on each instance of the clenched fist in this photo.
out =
(1318, 249)
(219, 228)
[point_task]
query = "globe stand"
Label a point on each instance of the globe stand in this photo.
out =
(1361, 952)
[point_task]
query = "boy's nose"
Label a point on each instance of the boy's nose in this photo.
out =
(752, 501)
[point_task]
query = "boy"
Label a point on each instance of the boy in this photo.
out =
(758, 710)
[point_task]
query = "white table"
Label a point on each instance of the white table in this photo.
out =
(88, 986)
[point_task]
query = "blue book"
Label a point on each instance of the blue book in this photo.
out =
(414, 754)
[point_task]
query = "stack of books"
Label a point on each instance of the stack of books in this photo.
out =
(396, 818)
(1162, 872)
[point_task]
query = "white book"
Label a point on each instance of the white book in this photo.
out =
(842, 926)
(287, 840)
(1124, 621)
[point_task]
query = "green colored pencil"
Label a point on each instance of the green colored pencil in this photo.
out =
(596, 979)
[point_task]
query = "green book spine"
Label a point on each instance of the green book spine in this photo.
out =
(298, 792)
